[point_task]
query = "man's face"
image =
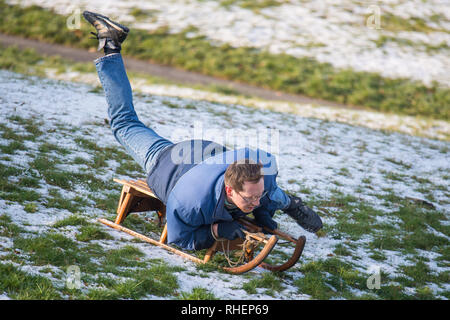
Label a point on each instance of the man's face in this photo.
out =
(247, 199)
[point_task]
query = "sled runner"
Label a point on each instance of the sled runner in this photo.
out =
(136, 196)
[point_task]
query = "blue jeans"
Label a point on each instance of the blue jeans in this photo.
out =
(141, 142)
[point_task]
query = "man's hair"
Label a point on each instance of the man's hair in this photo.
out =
(243, 170)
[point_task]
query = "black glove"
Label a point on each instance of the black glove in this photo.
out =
(230, 230)
(264, 220)
(305, 217)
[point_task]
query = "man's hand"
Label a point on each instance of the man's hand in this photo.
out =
(229, 230)
(264, 220)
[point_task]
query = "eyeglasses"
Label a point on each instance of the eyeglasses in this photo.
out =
(252, 199)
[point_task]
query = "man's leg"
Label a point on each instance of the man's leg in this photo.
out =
(279, 199)
(141, 142)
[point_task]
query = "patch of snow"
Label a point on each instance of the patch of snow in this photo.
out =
(311, 153)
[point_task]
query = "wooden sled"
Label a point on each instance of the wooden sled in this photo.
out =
(136, 196)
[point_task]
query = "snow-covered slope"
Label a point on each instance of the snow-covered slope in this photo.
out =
(317, 160)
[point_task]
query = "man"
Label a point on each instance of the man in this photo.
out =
(205, 197)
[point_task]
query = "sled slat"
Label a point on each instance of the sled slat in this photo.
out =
(210, 253)
(163, 238)
(149, 240)
(248, 222)
(256, 236)
(138, 186)
(122, 197)
(124, 207)
(291, 261)
(142, 183)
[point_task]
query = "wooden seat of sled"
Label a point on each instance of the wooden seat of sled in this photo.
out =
(136, 196)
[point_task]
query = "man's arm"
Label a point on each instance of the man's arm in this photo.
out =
(192, 238)
(276, 199)
(228, 229)
(197, 236)
(203, 237)
(187, 229)
(303, 215)
(264, 219)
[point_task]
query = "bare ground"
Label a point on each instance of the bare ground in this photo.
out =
(162, 71)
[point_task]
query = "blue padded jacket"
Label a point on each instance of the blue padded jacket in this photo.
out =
(190, 181)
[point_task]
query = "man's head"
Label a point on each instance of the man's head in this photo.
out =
(244, 184)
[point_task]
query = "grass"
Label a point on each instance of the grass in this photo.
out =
(142, 225)
(356, 219)
(31, 207)
(391, 22)
(7, 228)
(73, 220)
(57, 250)
(47, 147)
(254, 5)
(417, 45)
(125, 256)
(92, 232)
(417, 228)
(270, 282)
(58, 201)
(51, 248)
(20, 285)
(275, 71)
(157, 280)
(331, 278)
(198, 293)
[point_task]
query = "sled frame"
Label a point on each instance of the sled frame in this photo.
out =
(136, 196)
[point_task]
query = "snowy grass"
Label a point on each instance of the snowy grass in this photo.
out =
(280, 68)
(29, 62)
(59, 157)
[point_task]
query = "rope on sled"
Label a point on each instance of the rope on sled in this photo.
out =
(248, 246)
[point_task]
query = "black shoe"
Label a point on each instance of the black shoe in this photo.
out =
(110, 34)
(305, 217)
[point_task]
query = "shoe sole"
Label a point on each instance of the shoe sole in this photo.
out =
(113, 24)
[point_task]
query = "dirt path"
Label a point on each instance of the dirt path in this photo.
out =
(167, 72)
